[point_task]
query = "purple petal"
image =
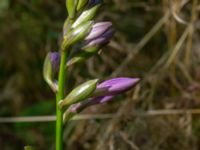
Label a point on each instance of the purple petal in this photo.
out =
(92, 101)
(96, 42)
(99, 29)
(117, 85)
(108, 34)
(55, 60)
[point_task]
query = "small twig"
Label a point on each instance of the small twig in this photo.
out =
(51, 118)
(100, 116)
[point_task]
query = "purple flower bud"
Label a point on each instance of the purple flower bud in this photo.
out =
(115, 86)
(105, 92)
(100, 35)
(76, 108)
(98, 29)
(55, 61)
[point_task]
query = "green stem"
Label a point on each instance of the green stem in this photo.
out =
(60, 96)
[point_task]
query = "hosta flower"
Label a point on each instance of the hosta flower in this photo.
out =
(99, 35)
(92, 101)
(50, 68)
(115, 86)
(104, 92)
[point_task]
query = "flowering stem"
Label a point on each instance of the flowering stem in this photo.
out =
(60, 96)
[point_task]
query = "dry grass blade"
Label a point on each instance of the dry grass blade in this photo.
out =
(177, 48)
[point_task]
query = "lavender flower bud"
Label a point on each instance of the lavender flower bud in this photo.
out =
(100, 35)
(80, 93)
(115, 86)
(51, 66)
(92, 101)
(77, 108)
(98, 29)
(55, 61)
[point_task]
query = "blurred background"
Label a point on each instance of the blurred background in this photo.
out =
(156, 40)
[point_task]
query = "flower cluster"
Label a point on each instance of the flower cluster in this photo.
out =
(83, 38)
(103, 93)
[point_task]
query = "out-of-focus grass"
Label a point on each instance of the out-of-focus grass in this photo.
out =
(162, 38)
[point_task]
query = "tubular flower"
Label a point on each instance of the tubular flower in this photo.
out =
(104, 92)
(115, 86)
(99, 36)
(50, 68)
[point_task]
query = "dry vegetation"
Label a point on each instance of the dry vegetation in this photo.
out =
(156, 40)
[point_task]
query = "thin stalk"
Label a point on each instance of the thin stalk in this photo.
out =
(60, 96)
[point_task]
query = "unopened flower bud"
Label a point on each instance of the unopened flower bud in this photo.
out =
(100, 35)
(81, 4)
(115, 86)
(80, 93)
(51, 66)
(98, 29)
(91, 101)
(86, 15)
(71, 7)
(55, 61)
(77, 34)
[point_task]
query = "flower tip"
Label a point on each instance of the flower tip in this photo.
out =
(136, 80)
(96, 80)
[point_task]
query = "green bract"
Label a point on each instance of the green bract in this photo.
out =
(71, 7)
(67, 115)
(80, 93)
(48, 73)
(86, 16)
(81, 4)
(77, 34)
